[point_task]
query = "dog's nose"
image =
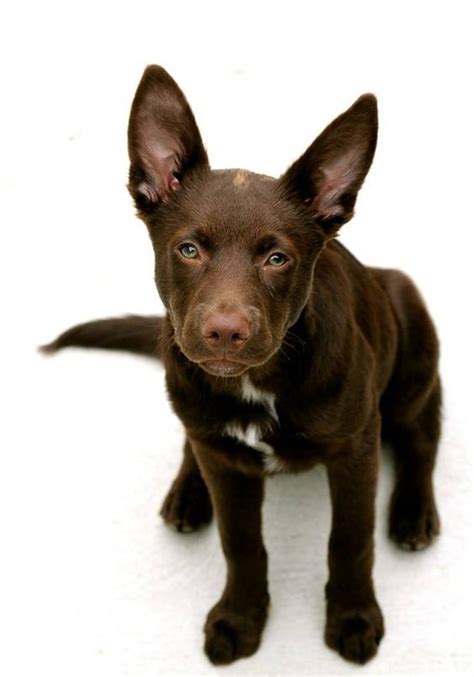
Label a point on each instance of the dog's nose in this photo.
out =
(226, 330)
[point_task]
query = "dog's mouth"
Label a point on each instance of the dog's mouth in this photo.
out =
(223, 368)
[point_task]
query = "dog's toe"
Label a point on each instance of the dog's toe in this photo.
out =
(355, 635)
(220, 645)
(414, 524)
(231, 635)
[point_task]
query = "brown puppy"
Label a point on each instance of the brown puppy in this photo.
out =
(281, 351)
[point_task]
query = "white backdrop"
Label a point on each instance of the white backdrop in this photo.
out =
(92, 582)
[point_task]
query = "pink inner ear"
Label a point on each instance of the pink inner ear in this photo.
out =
(160, 152)
(162, 163)
(160, 186)
(334, 180)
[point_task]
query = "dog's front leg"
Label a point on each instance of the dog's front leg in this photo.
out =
(354, 625)
(234, 625)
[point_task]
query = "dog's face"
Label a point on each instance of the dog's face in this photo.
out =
(235, 251)
(234, 263)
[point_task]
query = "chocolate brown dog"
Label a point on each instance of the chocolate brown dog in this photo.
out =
(281, 351)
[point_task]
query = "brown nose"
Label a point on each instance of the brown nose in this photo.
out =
(226, 331)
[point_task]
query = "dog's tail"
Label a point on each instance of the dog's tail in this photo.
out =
(133, 333)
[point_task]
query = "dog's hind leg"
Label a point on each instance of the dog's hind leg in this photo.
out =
(411, 411)
(414, 519)
(187, 504)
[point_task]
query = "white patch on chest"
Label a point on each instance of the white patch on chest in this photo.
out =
(252, 394)
(251, 436)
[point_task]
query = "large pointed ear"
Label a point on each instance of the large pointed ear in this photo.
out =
(164, 142)
(328, 176)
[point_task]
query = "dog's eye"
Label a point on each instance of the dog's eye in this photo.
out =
(276, 260)
(188, 251)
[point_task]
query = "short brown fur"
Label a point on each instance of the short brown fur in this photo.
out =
(281, 350)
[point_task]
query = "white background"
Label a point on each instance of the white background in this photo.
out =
(92, 582)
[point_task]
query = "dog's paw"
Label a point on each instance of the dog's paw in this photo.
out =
(187, 504)
(355, 634)
(231, 635)
(414, 521)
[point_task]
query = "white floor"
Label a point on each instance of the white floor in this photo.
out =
(91, 581)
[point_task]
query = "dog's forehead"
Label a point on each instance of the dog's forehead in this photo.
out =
(242, 186)
(236, 201)
(241, 179)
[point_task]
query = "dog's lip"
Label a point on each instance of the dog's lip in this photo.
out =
(223, 367)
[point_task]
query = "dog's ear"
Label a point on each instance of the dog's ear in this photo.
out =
(164, 142)
(328, 176)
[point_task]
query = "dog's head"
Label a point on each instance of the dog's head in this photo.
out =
(235, 251)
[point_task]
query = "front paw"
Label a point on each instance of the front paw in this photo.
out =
(354, 633)
(231, 635)
(187, 504)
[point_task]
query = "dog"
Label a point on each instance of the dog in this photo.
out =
(281, 351)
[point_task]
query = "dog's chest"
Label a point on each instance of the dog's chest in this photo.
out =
(253, 434)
